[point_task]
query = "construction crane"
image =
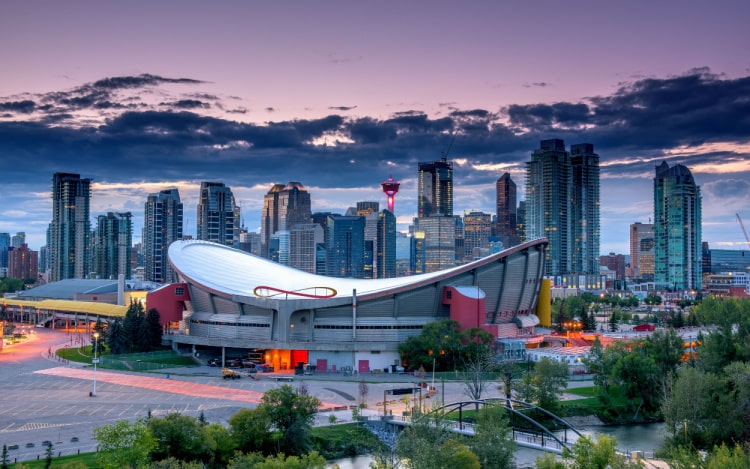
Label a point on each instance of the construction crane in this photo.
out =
(742, 225)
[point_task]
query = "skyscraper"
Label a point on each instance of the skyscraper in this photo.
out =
(477, 231)
(562, 204)
(113, 245)
(642, 251)
(4, 245)
(22, 263)
(505, 205)
(218, 215)
(70, 230)
(385, 257)
(548, 193)
(585, 209)
(162, 226)
(284, 207)
(435, 189)
(677, 228)
(345, 246)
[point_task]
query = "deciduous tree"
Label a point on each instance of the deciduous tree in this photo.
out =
(124, 444)
(292, 414)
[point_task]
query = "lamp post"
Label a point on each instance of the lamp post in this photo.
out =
(96, 360)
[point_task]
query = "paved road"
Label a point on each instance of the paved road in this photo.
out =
(44, 399)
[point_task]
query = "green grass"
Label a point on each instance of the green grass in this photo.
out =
(588, 391)
(135, 362)
(349, 439)
(87, 459)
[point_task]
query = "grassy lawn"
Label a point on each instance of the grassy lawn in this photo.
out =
(87, 459)
(165, 358)
(589, 391)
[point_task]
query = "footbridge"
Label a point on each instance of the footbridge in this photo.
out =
(526, 430)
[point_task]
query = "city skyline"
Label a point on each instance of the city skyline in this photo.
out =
(261, 96)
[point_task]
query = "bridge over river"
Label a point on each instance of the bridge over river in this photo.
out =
(533, 434)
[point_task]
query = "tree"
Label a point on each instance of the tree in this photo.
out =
(475, 368)
(418, 444)
(221, 444)
(599, 454)
(153, 329)
(312, 460)
(250, 429)
(178, 435)
(440, 342)
(614, 321)
(666, 348)
(116, 340)
(132, 326)
(493, 442)
(549, 379)
(48, 452)
(687, 406)
(292, 415)
(123, 444)
(639, 375)
(4, 458)
(364, 389)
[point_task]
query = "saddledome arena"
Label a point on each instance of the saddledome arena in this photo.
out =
(240, 305)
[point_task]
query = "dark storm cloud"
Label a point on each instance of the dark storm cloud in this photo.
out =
(140, 81)
(26, 106)
(639, 124)
(187, 104)
(341, 108)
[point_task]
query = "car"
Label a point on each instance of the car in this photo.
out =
(214, 362)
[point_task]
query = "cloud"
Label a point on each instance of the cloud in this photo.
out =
(140, 81)
(342, 108)
(101, 129)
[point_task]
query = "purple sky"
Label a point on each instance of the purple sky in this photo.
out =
(246, 92)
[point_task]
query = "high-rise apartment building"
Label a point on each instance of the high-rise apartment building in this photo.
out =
(477, 231)
(113, 245)
(162, 226)
(435, 189)
(677, 228)
(562, 205)
(584, 206)
(269, 218)
(506, 213)
(548, 193)
(438, 241)
(385, 256)
(642, 251)
(70, 230)
(521, 221)
(22, 263)
(218, 215)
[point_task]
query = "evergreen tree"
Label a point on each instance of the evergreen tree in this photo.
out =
(116, 340)
(5, 460)
(153, 329)
(614, 321)
(132, 326)
(48, 456)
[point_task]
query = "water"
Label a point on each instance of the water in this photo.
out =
(647, 438)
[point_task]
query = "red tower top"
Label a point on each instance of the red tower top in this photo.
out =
(390, 187)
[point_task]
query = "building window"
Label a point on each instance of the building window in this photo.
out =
(179, 291)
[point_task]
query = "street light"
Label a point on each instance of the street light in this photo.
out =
(96, 360)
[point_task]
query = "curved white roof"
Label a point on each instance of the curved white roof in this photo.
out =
(231, 271)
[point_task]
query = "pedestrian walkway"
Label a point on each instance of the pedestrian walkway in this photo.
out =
(164, 385)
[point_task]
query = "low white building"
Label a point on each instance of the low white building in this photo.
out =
(572, 356)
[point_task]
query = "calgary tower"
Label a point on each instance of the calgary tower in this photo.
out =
(390, 187)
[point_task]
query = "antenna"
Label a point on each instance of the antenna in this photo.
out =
(450, 145)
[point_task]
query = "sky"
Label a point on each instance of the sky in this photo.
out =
(142, 96)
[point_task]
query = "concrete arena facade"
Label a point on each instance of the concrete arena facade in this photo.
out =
(241, 301)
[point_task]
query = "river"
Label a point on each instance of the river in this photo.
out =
(647, 438)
